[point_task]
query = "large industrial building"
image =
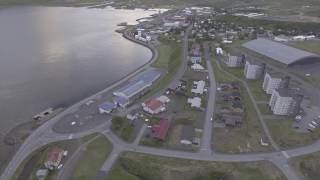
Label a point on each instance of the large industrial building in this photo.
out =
(281, 52)
(136, 87)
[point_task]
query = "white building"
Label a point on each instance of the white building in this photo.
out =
(274, 80)
(197, 67)
(195, 102)
(253, 69)
(234, 61)
(285, 101)
(219, 51)
(199, 87)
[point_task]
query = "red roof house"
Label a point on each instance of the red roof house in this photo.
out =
(54, 158)
(160, 130)
(153, 106)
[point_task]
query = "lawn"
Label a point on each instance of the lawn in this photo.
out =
(92, 159)
(264, 109)
(143, 166)
(286, 137)
(27, 169)
(257, 91)
(307, 166)
(122, 127)
(247, 137)
(170, 58)
(311, 46)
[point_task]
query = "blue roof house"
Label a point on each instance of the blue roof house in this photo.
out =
(107, 107)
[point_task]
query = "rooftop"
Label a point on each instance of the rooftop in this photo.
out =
(160, 130)
(279, 52)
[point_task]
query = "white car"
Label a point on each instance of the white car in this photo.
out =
(73, 123)
(60, 166)
(312, 126)
(299, 117)
(65, 153)
(211, 119)
(314, 123)
(146, 120)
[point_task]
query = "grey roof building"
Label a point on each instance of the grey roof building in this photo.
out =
(281, 52)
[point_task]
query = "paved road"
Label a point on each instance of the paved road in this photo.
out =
(207, 129)
(38, 137)
(260, 118)
(44, 135)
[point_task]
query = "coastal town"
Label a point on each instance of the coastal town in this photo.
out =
(214, 91)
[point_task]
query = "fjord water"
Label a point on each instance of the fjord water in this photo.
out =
(52, 56)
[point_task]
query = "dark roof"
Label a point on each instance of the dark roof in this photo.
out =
(279, 52)
(187, 133)
(237, 104)
(286, 92)
(160, 130)
(231, 120)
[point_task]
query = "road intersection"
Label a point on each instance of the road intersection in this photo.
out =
(45, 135)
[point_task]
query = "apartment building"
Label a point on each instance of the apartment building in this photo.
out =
(274, 80)
(253, 69)
(285, 101)
(235, 61)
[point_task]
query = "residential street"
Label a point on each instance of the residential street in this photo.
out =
(207, 128)
(45, 135)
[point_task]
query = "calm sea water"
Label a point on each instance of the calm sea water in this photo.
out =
(51, 56)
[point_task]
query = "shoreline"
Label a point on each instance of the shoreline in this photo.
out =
(77, 104)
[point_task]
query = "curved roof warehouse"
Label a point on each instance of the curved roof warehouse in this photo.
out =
(281, 52)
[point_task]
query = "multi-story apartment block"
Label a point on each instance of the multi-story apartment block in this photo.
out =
(285, 101)
(235, 61)
(274, 80)
(253, 69)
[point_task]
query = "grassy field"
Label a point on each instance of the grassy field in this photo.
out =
(92, 159)
(307, 166)
(264, 109)
(285, 136)
(36, 160)
(139, 166)
(311, 46)
(170, 58)
(247, 137)
(122, 127)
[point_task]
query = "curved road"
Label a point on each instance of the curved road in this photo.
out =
(44, 135)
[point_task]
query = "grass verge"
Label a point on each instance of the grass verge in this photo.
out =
(92, 159)
(307, 166)
(142, 166)
(286, 137)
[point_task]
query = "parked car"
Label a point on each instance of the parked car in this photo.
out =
(312, 126)
(314, 123)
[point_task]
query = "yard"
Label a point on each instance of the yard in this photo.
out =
(240, 139)
(92, 159)
(27, 169)
(180, 114)
(139, 166)
(286, 137)
(169, 60)
(307, 166)
(122, 127)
